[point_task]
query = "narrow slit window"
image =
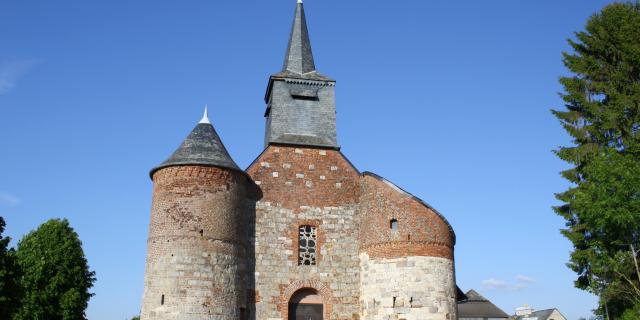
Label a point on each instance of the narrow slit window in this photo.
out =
(393, 224)
(162, 300)
(307, 245)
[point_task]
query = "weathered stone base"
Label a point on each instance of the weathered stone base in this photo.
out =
(409, 288)
(198, 283)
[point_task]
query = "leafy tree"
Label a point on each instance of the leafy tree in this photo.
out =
(9, 289)
(136, 318)
(608, 204)
(632, 314)
(56, 278)
(602, 115)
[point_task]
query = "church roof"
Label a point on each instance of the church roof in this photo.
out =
(298, 62)
(477, 306)
(202, 147)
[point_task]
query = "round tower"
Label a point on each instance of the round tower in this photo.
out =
(196, 250)
(406, 256)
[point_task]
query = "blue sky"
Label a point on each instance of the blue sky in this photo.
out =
(448, 99)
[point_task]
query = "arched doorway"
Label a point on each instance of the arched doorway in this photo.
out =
(306, 304)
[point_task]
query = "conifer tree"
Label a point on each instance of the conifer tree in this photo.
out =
(602, 115)
(9, 289)
(55, 276)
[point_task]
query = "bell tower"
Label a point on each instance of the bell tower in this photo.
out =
(301, 105)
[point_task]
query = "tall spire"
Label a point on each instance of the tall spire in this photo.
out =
(299, 58)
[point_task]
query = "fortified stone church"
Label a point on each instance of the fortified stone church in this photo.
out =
(301, 233)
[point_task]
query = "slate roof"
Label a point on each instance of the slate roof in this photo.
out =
(201, 147)
(299, 62)
(540, 314)
(477, 306)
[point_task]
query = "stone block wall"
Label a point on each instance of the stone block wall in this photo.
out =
(305, 186)
(407, 288)
(196, 256)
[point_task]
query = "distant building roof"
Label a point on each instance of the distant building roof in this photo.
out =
(539, 315)
(477, 306)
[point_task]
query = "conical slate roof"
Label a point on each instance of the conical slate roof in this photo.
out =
(201, 147)
(298, 62)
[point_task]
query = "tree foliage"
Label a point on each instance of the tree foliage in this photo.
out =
(632, 314)
(55, 276)
(602, 115)
(608, 205)
(9, 289)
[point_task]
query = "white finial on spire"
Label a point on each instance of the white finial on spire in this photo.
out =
(205, 118)
(299, 1)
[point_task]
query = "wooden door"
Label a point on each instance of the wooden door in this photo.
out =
(305, 311)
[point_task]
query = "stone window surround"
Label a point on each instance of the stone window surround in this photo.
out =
(307, 241)
(295, 235)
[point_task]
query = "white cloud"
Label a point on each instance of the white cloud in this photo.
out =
(492, 284)
(519, 286)
(522, 282)
(9, 200)
(524, 279)
(12, 71)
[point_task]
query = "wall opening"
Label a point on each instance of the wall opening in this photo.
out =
(393, 224)
(162, 300)
(306, 304)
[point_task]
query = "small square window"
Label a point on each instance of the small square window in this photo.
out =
(393, 224)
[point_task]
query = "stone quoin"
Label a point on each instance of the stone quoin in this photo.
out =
(301, 233)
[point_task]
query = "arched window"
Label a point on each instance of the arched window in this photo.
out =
(306, 304)
(393, 224)
(307, 245)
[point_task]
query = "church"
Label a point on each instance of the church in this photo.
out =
(301, 233)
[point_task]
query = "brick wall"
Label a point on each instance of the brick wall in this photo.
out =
(305, 177)
(420, 230)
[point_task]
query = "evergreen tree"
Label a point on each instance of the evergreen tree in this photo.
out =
(602, 115)
(55, 275)
(9, 289)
